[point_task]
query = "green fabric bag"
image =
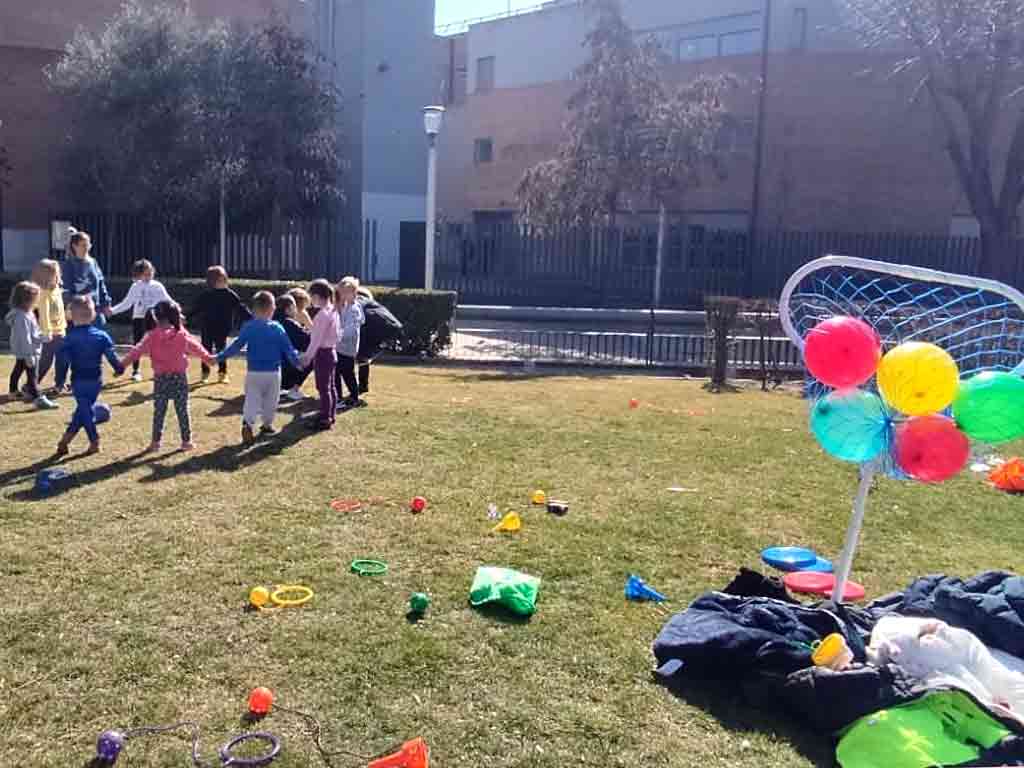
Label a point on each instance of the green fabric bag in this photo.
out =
(511, 589)
(942, 728)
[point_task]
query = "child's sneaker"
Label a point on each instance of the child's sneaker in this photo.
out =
(63, 447)
(247, 434)
(44, 403)
(154, 447)
(205, 379)
(294, 394)
(137, 377)
(188, 446)
(94, 448)
(266, 431)
(223, 378)
(27, 396)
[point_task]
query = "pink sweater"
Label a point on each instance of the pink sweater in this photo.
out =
(325, 334)
(169, 349)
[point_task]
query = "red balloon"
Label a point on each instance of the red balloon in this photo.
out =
(842, 352)
(931, 448)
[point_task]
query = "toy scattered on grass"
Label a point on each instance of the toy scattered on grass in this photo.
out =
(560, 508)
(510, 523)
(101, 413)
(539, 498)
(369, 567)
(418, 603)
(638, 591)
(261, 700)
(832, 652)
(282, 596)
(492, 512)
(634, 404)
(813, 583)
(418, 504)
(50, 480)
(1009, 477)
(503, 586)
(412, 754)
(789, 558)
(112, 742)
(346, 505)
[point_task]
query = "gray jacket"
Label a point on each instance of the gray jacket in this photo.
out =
(26, 340)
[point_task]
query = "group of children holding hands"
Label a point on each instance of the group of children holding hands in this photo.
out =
(318, 331)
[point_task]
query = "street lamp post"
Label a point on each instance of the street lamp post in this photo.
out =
(433, 117)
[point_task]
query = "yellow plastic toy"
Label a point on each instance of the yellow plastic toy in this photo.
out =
(283, 596)
(259, 597)
(510, 523)
(539, 497)
(917, 378)
(833, 652)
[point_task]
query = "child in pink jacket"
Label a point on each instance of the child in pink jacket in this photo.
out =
(169, 347)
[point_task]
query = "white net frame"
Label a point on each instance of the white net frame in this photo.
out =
(980, 322)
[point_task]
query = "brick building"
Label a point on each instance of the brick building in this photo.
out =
(847, 147)
(386, 73)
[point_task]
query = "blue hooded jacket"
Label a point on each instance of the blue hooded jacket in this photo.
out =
(83, 277)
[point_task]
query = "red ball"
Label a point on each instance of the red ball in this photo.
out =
(842, 352)
(418, 504)
(260, 701)
(634, 403)
(931, 448)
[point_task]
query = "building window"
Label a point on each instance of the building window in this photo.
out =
(738, 43)
(690, 48)
(799, 40)
(483, 151)
(485, 74)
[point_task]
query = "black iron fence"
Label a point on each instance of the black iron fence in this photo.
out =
(615, 266)
(307, 248)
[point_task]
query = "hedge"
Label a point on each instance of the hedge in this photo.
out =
(426, 315)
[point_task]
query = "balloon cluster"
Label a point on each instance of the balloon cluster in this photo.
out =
(917, 384)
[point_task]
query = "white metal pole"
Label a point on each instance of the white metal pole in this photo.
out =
(660, 256)
(867, 476)
(428, 272)
(223, 227)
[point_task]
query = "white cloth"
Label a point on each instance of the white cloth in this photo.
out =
(142, 297)
(938, 654)
(262, 393)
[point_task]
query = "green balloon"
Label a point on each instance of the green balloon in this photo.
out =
(989, 407)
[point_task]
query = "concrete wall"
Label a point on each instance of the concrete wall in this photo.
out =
(846, 150)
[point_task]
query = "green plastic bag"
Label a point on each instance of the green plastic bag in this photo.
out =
(511, 589)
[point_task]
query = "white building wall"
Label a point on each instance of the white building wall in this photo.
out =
(24, 247)
(381, 262)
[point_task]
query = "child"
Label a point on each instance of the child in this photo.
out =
(85, 347)
(26, 343)
(321, 351)
(219, 308)
(266, 344)
(83, 277)
(53, 322)
(169, 347)
(292, 379)
(380, 328)
(351, 319)
(302, 316)
(142, 297)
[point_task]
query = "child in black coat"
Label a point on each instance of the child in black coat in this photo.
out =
(220, 309)
(287, 315)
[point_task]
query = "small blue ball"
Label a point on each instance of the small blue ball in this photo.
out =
(101, 413)
(109, 746)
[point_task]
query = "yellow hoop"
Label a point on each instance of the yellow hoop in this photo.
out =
(278, 599)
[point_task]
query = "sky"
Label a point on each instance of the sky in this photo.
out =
(457, 10)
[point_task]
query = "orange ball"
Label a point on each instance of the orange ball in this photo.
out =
(634, 403)
(260, 701)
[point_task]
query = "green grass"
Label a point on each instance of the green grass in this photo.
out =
(124, 595)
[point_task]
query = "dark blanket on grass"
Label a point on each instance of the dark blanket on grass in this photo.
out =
(754, 635)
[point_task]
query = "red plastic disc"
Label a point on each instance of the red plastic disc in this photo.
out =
(812, 583)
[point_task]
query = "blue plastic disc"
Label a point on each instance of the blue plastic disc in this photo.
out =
(821, 565)
(789, 558)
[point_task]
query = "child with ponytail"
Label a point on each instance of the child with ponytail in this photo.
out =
(169, 347)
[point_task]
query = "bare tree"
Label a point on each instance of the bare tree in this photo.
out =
(969, 55)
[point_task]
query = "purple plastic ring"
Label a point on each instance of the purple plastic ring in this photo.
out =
(227, 759)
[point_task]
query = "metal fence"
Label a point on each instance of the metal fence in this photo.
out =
(615, 266)
(308, 247)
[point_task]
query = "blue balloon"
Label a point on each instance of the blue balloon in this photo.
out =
(852, 425)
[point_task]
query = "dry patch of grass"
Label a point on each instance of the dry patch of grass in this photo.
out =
(125, 593)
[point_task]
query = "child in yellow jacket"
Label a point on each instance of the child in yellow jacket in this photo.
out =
(53, 323)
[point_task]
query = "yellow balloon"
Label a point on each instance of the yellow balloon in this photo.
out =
(917, 378)
(259, 596)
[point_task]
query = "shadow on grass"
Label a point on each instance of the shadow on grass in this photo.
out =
(501, 614)
(512, 373)
(726, 704)
(88, 477)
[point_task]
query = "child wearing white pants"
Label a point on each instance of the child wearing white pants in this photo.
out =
(266, 345)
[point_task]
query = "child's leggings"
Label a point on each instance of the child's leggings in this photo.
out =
(86, 393)
(28, 367)
(168, 387)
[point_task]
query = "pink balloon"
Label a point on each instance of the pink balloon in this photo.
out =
(842, 352)
(931, 448)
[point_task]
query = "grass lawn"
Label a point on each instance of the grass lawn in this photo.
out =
(125, 594)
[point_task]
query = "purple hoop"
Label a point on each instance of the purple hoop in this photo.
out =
(227, 759)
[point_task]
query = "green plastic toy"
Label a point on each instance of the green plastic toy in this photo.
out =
(511, 589)
(418, 603)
